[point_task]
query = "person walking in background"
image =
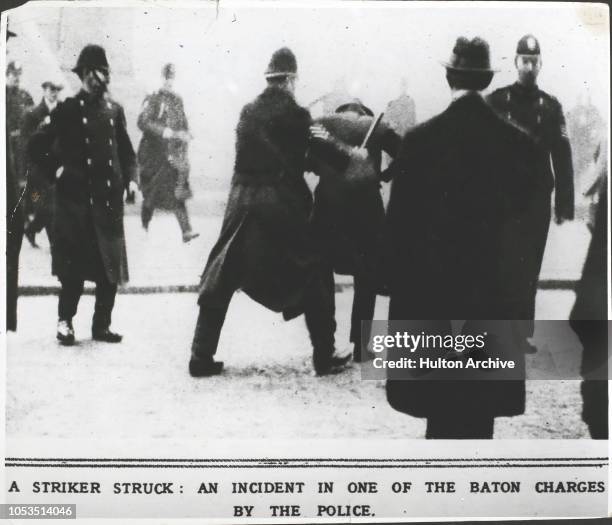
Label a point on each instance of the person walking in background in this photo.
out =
(163, 155)
(86, 150)
(40, 190)
(266, 246)
(459, 185)
(541, 115)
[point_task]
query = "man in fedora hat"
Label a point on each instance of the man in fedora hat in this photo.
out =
(266, 245)
(162, 154)
(541, 115)
(349, 216)
(39, 194)
(459, 185)
(86, 151)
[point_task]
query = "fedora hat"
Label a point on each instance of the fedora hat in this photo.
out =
(470, 56)
(355, 105)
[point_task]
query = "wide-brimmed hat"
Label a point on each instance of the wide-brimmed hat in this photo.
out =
(470, 56)
(92, 56)
(355, 105)
(52, 85)
(282, 64)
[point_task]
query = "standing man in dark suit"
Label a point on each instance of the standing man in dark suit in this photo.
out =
(458, 187)
(163, 155)
(541, 115)
(349, 217)
(86, 150)
(266, 245)
(40, 191)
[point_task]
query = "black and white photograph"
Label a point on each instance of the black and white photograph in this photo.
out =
(216, 213)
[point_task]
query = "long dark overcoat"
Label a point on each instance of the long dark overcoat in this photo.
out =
(87, 152)
(460, 187)
(349, 216)
(266, 245)
(163, 162)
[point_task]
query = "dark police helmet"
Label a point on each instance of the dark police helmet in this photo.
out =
(528, 45)
(92, 56)
(282, 64)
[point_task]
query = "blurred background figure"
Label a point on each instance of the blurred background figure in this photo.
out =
(39, 194)
(163, 154)
(401, 112)
(17, 101)
(586, 130)
(590, 313)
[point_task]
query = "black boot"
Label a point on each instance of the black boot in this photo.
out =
(204, 367)
(65, 332)
(205, 341)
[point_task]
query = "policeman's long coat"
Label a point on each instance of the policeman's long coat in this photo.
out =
(460, 186)
(87, 152)
(349, 216)
(163, 163)
(266, 245)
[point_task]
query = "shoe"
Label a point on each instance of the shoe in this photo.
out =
(529, 348)
(106, 336)
(205, 368)
(31, 237)
(189, 236)
(65, 332)
(334, 365)
(360, 356)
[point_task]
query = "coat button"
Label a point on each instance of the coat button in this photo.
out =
(91, 201)
(110, 142)
(107, 204)
(82, 102)
(84, 120)
(111, 121)
(86, 140)
(89, 162)
(109, 105)
(110, 162)
(108, 183)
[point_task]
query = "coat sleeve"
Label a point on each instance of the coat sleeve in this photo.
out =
(146, 119)
(41, 147)
(403, 158)
(127, 157)
(561, 155)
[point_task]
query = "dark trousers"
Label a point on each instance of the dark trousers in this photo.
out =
(71, 292)
(14, 238)
(460, 424)
(319, 310)
(364, 303)
(180, 211)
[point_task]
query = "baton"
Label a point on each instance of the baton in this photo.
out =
(373, 126)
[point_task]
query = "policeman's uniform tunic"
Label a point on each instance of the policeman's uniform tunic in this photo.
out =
(540, 115)
(87, 150)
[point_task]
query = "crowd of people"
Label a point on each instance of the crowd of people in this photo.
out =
(463, 234)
